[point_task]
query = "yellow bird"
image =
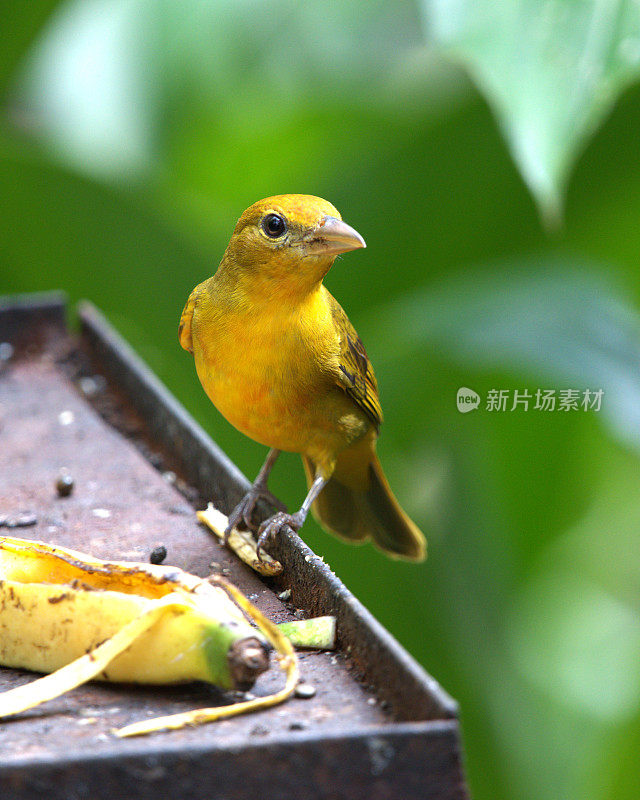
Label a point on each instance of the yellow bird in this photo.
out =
(278, 357)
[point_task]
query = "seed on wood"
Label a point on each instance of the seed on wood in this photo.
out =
(305, 691)
(91, 385)
(64, 484)
(6, 351)
(158, 554)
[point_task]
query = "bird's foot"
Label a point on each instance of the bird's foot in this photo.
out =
(271, 527)
(242, 513)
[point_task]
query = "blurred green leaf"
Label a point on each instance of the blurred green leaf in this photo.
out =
(592, 643)
(88, 90)
(21, 22)
(535, 317)
(551, 70)
(110, 82)
(573, 633)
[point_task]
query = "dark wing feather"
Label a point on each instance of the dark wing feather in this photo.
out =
(356, 373)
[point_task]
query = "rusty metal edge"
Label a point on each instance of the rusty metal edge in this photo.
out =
(44, 311)
(54, 302)
(412, 694)
(405, 760)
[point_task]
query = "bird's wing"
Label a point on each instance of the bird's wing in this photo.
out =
(184, 328)
(356, 374)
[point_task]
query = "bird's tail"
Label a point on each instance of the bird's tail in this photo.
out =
(371, 512)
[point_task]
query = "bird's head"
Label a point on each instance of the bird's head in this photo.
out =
(292, 238)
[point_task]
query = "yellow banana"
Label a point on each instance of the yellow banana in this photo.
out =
(51, 614)
(81, 618)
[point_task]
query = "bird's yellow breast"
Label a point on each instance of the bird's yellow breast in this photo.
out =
(271, 372)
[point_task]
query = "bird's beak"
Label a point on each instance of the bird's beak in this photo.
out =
(333, 236)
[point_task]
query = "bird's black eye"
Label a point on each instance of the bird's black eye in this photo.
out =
(274, 225)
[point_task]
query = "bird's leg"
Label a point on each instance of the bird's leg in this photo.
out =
(258, 491)
(272, 526)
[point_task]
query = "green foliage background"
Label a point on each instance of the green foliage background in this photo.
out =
(134, 132)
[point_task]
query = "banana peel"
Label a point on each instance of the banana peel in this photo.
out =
(241, 542)
(80, 618)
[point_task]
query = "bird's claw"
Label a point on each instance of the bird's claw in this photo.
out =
(243, 512)
(271, 527)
